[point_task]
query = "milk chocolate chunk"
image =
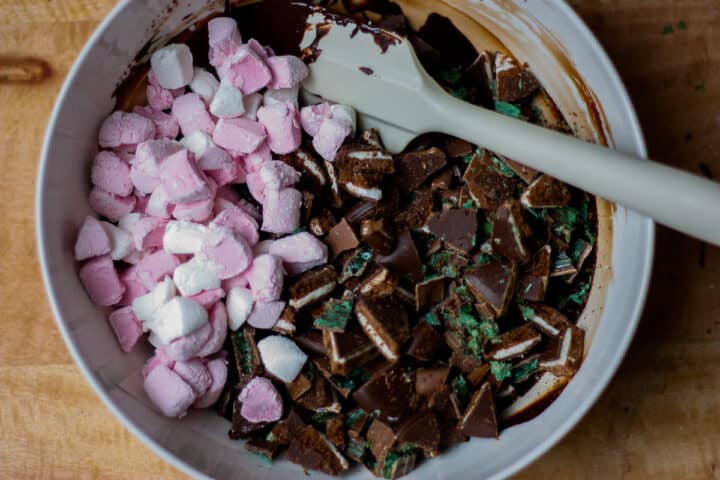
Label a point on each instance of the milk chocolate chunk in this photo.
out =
(348, 350)
(442, 180)
(334, 429)
(247, 357)
(510, 232)
(355, 263)
(526, 173)
(319, 398)
(385, 323)
(429, 293)
(262, 447)
(457, 148)
(313, 174)
(379, 283)
(301, 385)
(285, 325)
(321, 223)
(312, 286)
(515, 343)
(430, 380)
(532, 284)
(379, 234)
(465, 363)
(426, 343)
(479, 419)
(391, 391)
(415, 167)
(545, 318)
(313, 451)
(450, 433)
(534, 400)
(341, 238)
(404, 260)
(311, 342)
(418, 431)
(488, 184)
(546, 192)
(456, 227)
(478, 374)
(563, 355)
(493, 283)
(334, 315)
(417, 212)
(514, 82)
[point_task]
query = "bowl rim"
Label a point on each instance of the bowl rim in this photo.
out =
(575, 416)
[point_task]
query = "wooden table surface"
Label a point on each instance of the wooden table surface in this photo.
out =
(660, 418)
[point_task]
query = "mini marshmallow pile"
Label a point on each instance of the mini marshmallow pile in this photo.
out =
(180, 254)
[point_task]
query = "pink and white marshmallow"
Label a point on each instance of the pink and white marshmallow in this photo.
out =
(260, 401)
(282, 126)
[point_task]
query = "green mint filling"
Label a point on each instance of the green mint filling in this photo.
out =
(355, 449)
(502, 168)
(359, 261)
(579, 296)
(500, 370)
(667, 28)
(463, 292)
(431, 319)
(353, 417)
(490, 330)
(461, 388)
(468, 204)
(527, 312)
(525, 370)
(243, 347)
(682, 25)
(335, 315)
(507, 109)
(320, 419)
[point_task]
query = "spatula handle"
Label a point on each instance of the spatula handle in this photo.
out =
(677, 199)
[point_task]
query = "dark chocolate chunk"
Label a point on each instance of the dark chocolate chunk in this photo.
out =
(311, 342)
(348, 350)
(510, 232)
(514, 82)
(563, 355)
(418, 431)
(313, 173)
(426, 343)
(430, 380)
(385, 323)
(313, 451)
(515, 343)
(493, 283)
(526, 173)
(321, 224)
(545, 318)
(465, 363)
(333, 315)
(417, 213)
(391, 391)
(320, 397)
(546, 192)
(532, 284)
(404, 260)
(478, 374)
(487, 186)
(457, 148)
(442, 180)
(534, 400)
(313, 286)
(450, 434)
(379, 234)
(387, 207)
(429, 293)
(247, 357)
(478, 78)
(416, 167)
(456, 227)
(479, 419)
(341, 238)
(262, 447)
(334, 429)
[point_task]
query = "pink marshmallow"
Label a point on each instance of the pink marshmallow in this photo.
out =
(208, 298)
(250, 209)
(166, 126)
(266, 278)
(229, 252)
(236, 281)
(246, 70)
(239, 134)
(186, 347)
(195, 374)
(261, 401)
(169, 392)
(111, 174)
(232, 172)
(224, 39)
(156, 266)
(199, 211)
(92, 240)
(227, 193)
(145, 166)
(265, 315)
(259, 50)
(100, 279)
(300, 252)
(109, 205)
(158, 204)
(182, 179)
(256, 187)
(287, 71)
(262, 247)
(330, 138)
(214, 158)
(281, 124)
(218, 320)
(134, 288)
(141, 202)
(159, 358)
(127, 328)
(312, 116)
(277, 175)
(192, 115)
(253, 161)
(159, 98)
(123, 129)
(240, 222)
(148, 232)
(281, 211)
(218, 371)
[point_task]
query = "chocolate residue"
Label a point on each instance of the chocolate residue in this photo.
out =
(279, 23)
(310, 54)
(366, 70)
(23, 70)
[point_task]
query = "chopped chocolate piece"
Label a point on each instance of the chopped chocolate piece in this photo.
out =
(319, 398)
(224, 405)
(391, 391)
(426, 343)
(341, 238)
(247, 357)
(388, 206)
(395, 465)
(546, 192)
(417, 212)
(580, 252)
(479, 419)
(546, 113)
(365, 186)
(404, 260)
(493, 283)
(416, 167)
(262, 447)
(486, 185)
(312, 286)
(478, 78)
(379, 283)
(313, 451)
(313, 174)
(450, 198)
(548, 320)
(285, 429)
(355, 263)
(457, 148)
(478, 374)
(515, 343)
(379, 234)
(308, 202)
(242, 428)
(514, 82)
(385, 323)
(449, 263)
(454, 341)
(510, 232)
(336, 196)
(418, 431)
(404, 295)
(562, 266)
(381, 437)
(534, 401)
(456, 227)
(532, 285)
(429, 380)
(321, 224)
(362, 159)
(371, 138)
(526, 173)
(335, 432)
(334, 315)
(311, 342)
(465, 363)
(525, 368)
(442, 180)
(429, 293)
(301, 385)
(348, 350)
(563, 355)
(450, 434)
(433, 246)
(286, 323)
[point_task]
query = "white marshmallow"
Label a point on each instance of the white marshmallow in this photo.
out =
(204, 84)
(127, 222)
(281, 357)
(239, 306)
(121, 241)
(282, 95)
(194, 276)
(345, 114)
(182, 237)
(251, 104)
(197, 142)
(155, 341)
(178, 317)
(173, 66)
(157, 205)
(228, 101)
(144, 307)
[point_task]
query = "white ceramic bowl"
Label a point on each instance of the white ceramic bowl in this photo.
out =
(569, 62)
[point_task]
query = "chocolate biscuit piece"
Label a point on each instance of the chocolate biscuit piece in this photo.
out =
(457, 148)
(336, 195)
(415, 167)
(334, 429)
(486, 185)
(349, 349)
(321, 223)
(514, 82)
(371, 137)
(312, 286)
(390, 390)
(526, 173)
(380, 282)
(285, 325)
(341, 238)
(479, 419)
(456, 227)
(532, 284)
(385, 323)
(302, 383)
(312, 171)
(355, 263)
(404, 260)
(417, 212)
(563, 355)
(426, 343)
(429, 380)
(534, 400)
(546, 192)
(493, 283)
(429, 293)
(515, 343)
(545, 318)
(285, 429)
(379, 234)
(334, 315)
(262, 447)
(510, 232)
(442, 180)
(361, 159)
(247, 357)
(365, 186)
(313, 451)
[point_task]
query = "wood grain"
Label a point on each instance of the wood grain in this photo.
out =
(659, 417)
